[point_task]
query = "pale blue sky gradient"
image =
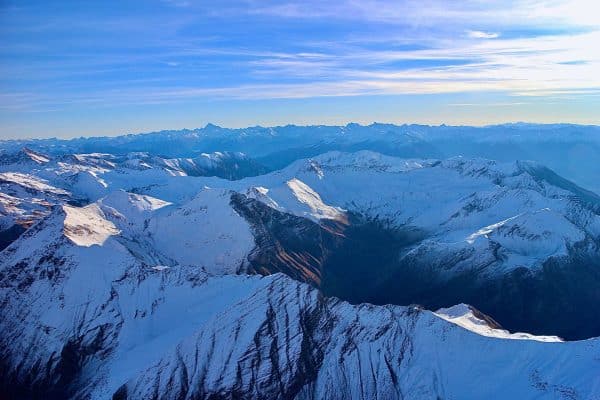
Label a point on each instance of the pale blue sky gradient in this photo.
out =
(106, 68)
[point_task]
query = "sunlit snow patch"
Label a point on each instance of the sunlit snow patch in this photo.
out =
(36, 157)
(262, 194)
(87, 226)
(463, 315)
(318, 209)
(31, 182)
(536, 235)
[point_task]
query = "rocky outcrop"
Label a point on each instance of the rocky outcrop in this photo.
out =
(286, 243)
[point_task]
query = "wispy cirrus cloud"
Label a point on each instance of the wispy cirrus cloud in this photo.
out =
(495, 12)
(482, 35)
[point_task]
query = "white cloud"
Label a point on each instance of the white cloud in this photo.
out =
(430, 57)
(515, 65)
(538, 13)
(178, 3)
(535, 66)
(482, 35)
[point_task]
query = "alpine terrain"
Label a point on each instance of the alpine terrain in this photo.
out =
(320, 262)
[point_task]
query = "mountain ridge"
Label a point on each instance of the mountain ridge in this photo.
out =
(277, 147)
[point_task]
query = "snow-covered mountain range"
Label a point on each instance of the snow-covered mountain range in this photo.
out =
(135, 275)
(570, 150)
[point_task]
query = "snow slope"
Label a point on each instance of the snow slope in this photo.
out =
(139, 292)
(460, 204)
(286, 341)
(204, 232)
(488, 216)
(81, 321)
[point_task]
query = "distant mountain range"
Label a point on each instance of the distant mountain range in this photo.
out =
(570, 150)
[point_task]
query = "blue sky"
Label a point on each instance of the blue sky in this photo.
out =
(78, 68)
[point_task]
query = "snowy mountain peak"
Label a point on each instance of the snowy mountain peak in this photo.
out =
(210, 126)
(128, 203)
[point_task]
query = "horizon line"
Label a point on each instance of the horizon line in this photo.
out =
(258, 126)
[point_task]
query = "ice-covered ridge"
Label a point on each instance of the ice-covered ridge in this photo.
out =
(487, 230)
(36, 157)
(464, 316)
(364, 160)
(317, 208)
(31, 182)
(122, 200)
(537, 234)
(423, 193)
